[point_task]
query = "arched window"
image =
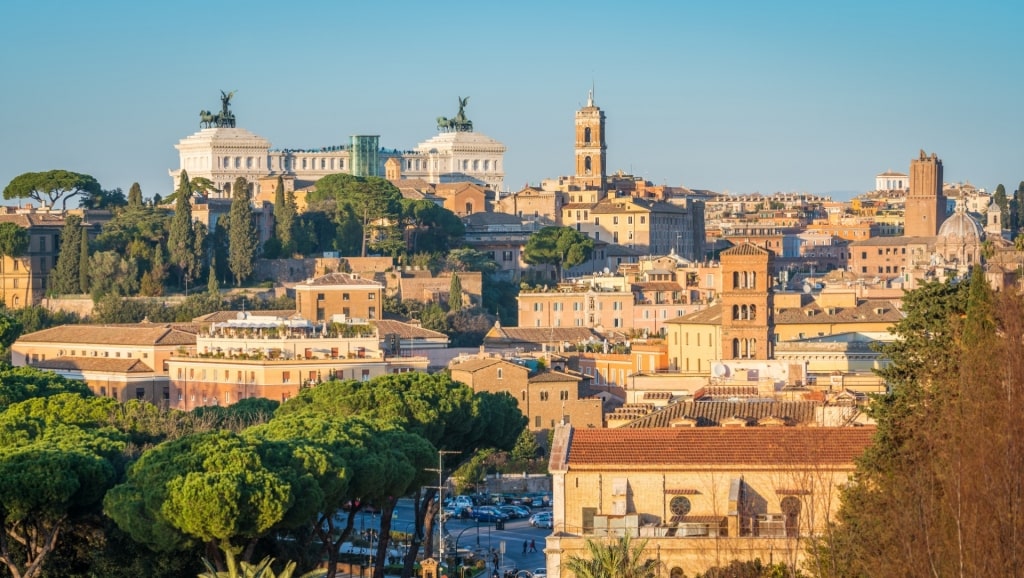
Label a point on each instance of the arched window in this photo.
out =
(735, 312)
(735, 279)
(469, 208)
(736, 349)
(586, 135)
(676, 572)
(753, 312)
(587, 165)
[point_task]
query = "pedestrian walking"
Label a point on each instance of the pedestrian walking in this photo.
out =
(533, 546)
(525, 546)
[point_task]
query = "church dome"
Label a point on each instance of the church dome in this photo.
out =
(961, 227)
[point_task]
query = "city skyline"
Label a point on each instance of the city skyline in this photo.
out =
(741, 98)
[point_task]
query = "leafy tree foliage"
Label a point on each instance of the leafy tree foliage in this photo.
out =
(102, 199)
(18, 384)
(217, 488)
(84, 266)
(135, 196)
(373, 201)
(920, 504)
(455, 294)
(242, 236)
(49, 187)
(618, 558)
(1000, 199)
(526, 446)
(56, 463)
(558, 246)
(430, 228)
(447, 414)
(64, 278)
(181, 239)
(751, 569)
(10, 330)
(285, 211)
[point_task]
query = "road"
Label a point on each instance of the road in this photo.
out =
(482, 539)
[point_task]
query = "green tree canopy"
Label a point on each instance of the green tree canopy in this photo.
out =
(559, 246)
(242, 236)
(373, 201)
(135, 196)
(14, 240)
(613, 558)
(18, 384)
(51, 186)
(217, 488)
(181, 238)
(916, 505)
(64, 278)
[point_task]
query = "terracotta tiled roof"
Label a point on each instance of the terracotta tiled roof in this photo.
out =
(404, 330)
(147, 335)
(710, 316)
(658, 286)
(712, 413)
(587, 206)
(706, 519)
(100, 364)
(33, 219)
(476, 364)
(744, 249)
(553, 376)
(542, 334)
(337, 279)
(701, 447)
(870, 310)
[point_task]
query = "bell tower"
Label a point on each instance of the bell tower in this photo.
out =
(925, 208)
(590, 145)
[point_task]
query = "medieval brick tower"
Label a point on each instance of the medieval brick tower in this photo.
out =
(926, 206)
(747, 322)
(591, 148)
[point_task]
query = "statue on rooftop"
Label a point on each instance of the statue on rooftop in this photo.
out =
(223, 119)
(460, 123)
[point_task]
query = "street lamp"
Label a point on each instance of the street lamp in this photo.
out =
(440, 502)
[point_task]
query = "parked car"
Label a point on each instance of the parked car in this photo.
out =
(488, 514)
(542, 520)
(514, 512)
(540, 573)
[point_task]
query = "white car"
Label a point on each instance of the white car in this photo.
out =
(542, 520)
(540, 573)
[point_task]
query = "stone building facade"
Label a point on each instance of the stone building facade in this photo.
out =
(700, 496)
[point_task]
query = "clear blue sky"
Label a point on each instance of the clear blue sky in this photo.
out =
(730, 96)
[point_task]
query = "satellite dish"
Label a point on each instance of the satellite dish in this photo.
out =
(240, 315)
(606, 270)
(807, 288)
(719, 370)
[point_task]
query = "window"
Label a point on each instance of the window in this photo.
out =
(543, 396)
(371, 296)
(372, 313)
(536, 421)
(615, 220)
(320, 296)
(286, 377)
(500, 373)
(563, 395)
(344, 297)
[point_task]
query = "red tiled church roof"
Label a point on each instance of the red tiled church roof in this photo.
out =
(688, 447)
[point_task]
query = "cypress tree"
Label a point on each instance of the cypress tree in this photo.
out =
(83, 263)
(284, 218)
(64, 277)
(135, 196)
(455, 294)
(999, 198)
(181, 238)
(242, 238)
(212, 287)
